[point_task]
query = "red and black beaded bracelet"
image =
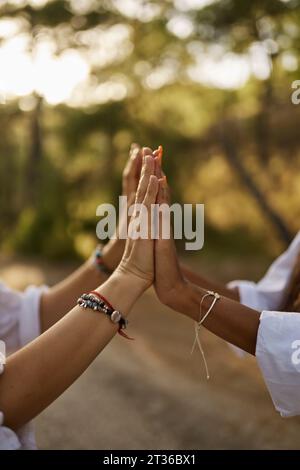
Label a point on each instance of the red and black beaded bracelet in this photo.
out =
(99, 262)
(98, 302)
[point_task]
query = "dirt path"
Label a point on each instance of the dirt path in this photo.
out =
(151, 394)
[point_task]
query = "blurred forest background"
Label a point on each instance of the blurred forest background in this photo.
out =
(210, 80)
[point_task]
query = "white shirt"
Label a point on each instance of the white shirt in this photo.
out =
(278, 340)
(19, 324)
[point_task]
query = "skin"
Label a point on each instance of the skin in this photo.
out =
(201, 281)
(229, 319)
(34, 378)
(192, 276)
(41, 371)
(59, 300)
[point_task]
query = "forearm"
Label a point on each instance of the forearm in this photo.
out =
(205, 283)
(229, 320)
(61, 298)
(37, 374)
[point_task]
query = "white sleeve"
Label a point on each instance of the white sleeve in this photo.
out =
(8, 439)
(278, 356)
(23, 439)
(19, 324)
(19, 316)
(268, 293)
(29, 314)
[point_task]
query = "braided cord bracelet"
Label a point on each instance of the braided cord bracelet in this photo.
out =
(198, 324)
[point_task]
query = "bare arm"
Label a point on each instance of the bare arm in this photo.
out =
(59, 300)
(37, 374)
(229, 319)
(192, 276)
(205, 283)
(62, 297)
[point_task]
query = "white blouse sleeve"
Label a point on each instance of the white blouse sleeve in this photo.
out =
(278, 356)
(29, 315)
(8, 439)
(19, 316)
(268, 293)
(19, 324)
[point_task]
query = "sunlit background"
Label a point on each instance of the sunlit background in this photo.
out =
(210, 79)
(32, 61)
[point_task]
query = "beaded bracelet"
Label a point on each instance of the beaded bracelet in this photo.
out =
(99, 263)
(97, 302)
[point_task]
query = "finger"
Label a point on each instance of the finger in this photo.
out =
(146, 151)
(137, 161)
(157, 168)
(159, 153)
(131, 173)
(149, 199)
(148, 165)
(147, 171)
(151, 192)
(134, 146)
(164, 217)
(138, 164)
(135, 153)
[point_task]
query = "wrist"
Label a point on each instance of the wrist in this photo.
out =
(122, 290)
(132, 278)
(173, 297)
(185, 298)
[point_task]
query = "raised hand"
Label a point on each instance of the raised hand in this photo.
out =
(114, 249)
(168, 276)
(132, 171)
(138, 258)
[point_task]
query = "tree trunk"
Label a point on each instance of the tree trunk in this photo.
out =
(235, 162)
(262, 125)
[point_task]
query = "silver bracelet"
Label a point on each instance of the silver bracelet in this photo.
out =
(98, 303)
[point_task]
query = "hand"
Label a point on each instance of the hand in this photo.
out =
(114, 249)
(138, 258)
(169, 281)
(132, 171)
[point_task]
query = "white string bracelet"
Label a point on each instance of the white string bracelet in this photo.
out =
(199, 323)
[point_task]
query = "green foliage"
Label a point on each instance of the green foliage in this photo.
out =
(51, 184)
